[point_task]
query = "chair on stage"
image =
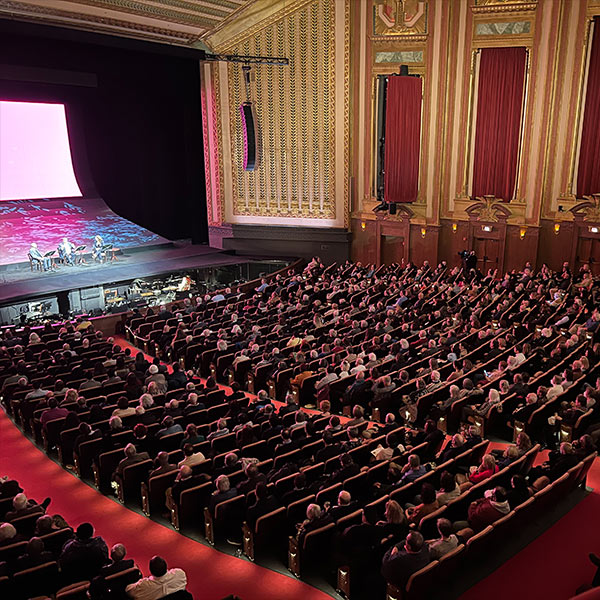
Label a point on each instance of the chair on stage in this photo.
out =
(35, 264)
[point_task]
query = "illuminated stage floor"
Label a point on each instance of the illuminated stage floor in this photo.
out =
(46, 222)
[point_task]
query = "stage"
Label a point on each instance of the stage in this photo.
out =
(24, 284)
(91, 286)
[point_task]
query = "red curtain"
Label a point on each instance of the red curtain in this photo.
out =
(402, 139)
(498, 124)
(588, 175)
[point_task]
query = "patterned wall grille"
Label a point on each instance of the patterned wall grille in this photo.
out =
(295, 111)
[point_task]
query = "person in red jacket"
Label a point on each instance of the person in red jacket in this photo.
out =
(485, 470)
(490, 508)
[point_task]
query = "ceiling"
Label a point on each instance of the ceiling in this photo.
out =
(181, 22)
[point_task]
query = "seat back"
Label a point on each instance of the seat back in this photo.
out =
(477, 544)
(37, 581)
(269, 532)
(449, 563)
(26, 525)
(157, 486)
(191, 505)
(119, 581)
(296, 512)
(76, 591)
(106, 465)
(587, 464)
(420, 583)
(53, 542)
(12, 551)
(315, 549)
(133, 475)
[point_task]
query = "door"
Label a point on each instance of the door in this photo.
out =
(487, 252)
(588, 253)
(392, 249)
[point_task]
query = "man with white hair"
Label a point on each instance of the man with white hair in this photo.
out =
(523, 412)
(22, 507)
(132, 456)
(556, 389)
(118, 562)
(37, 257)
(8, 535)
(221, 430)
(158, 378)
(66, 251)
(223, 492)
(435, 381)
(192, 404)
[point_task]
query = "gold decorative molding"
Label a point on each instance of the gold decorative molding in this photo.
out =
(100, 22)
(303, 111)
(488, 208)
(248, 22)
(399, 18)
(588, 210)
(503, 6)
(181, 22)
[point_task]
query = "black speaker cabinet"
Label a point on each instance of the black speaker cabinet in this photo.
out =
(251, 137)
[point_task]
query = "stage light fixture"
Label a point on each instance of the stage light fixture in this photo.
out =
(423, 232)
(556, 228)
(363, 225)
(522, 232)
(454, 227)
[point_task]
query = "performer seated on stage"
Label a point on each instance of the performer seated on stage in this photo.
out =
(37, 257)
(66, 251)
(97, 253)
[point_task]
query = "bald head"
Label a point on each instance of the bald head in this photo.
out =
(118, 552)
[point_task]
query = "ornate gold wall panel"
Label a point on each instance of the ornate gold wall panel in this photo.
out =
(298, 109)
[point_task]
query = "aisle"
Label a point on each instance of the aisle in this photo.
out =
(556, 563)
(211, 574)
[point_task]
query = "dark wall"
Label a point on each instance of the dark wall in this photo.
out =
(134, 117)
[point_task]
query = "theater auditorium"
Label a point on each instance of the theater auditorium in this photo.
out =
(299, 299)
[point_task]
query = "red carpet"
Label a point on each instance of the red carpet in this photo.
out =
(555, 564)
(211, 574)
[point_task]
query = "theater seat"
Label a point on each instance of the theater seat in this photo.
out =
(75, 591)
(119, 581)
(313, 552)
(421, 583)
(36, 581)
(267, 534)
(449, 563)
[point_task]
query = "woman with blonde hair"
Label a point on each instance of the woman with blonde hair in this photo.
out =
(485, 470)
(523, 443)
(395, 523)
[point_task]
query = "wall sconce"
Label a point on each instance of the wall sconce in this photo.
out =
(363, 225)
(454, 227)
(423, 232)
(522, 232)
(556, 228)
(486, 228)
(593, 229)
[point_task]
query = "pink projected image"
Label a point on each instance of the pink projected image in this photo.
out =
(35, 155)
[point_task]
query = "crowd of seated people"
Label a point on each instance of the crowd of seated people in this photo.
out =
(425, 350)
(41, 554)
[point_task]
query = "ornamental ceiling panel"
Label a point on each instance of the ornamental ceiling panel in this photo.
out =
(182, 22)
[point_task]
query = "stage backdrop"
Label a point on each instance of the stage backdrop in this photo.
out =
(134, 117)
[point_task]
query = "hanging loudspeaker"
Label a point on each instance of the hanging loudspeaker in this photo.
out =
(251, 137)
